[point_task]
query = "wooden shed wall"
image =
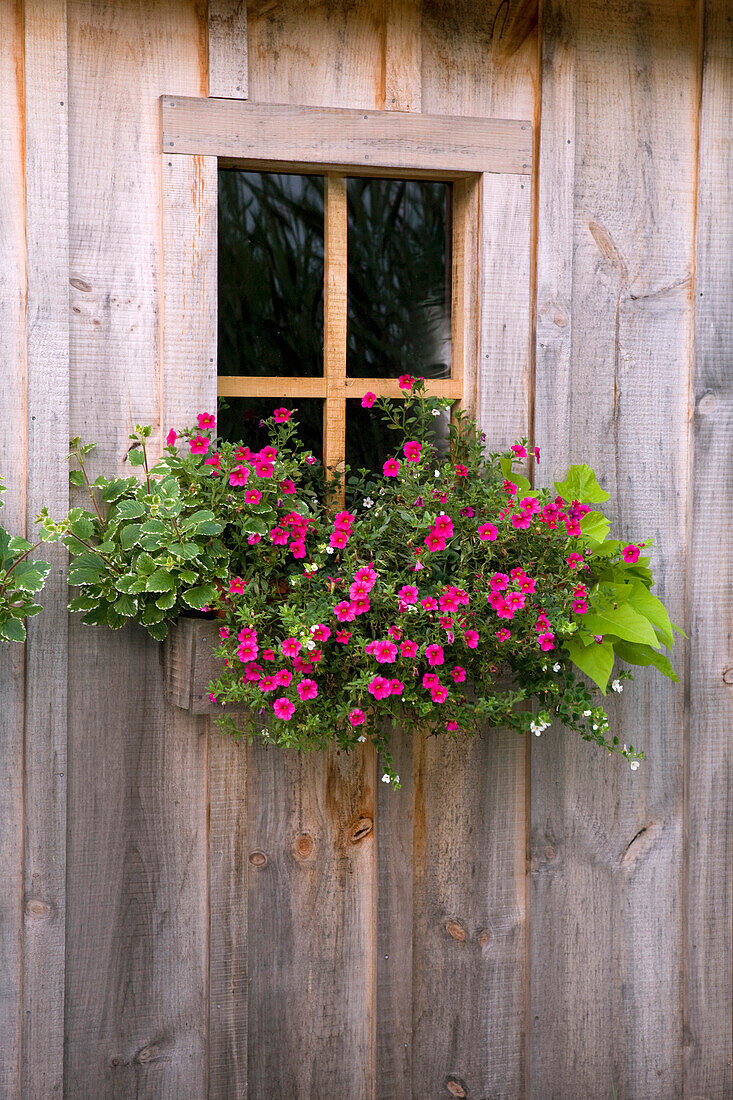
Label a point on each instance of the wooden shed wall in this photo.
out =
(183, 918)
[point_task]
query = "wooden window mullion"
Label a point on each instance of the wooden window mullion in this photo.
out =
(334, 326)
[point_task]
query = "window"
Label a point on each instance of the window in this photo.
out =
(363, 234)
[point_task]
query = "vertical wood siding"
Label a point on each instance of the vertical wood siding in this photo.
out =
(190, 917)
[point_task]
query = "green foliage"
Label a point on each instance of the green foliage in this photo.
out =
(20, 579)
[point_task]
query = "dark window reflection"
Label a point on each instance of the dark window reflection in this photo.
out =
(398, 278)
(240, 419)
(270, 273)
(369, 442)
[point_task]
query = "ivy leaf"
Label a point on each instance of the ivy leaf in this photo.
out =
(595, 660)
(160, 581)
(12, 630)
(644, 655)
(200, 596)
(581, 485)
(623, 622)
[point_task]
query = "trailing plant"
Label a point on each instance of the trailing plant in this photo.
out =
(20, 579)
(446, 594)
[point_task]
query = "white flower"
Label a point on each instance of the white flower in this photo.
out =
(634, 765)
(556, 667)
(435, 412)
(544, 668)
(586, 714)
(617, 686)
(368, 502)
(309, 643)
(362, 738)
(382, 492)
(385, 778)
(595, 726)
(436, 473)
(397, 779)
(329, 549)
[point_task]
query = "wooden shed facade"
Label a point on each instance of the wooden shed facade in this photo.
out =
(184, 918)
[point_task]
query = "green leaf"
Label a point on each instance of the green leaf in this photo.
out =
(644, 655)
(12, 630)
(159, 631)
(130, 509)
(160, 581)
(76, 478)
(595, 526)
(622, 622)
(125, 582)
(581, 485)
(188, 576)
(166, 601)
(83, 603)
(199, 597)
(126, 606)
(136, 456)
(87, 568)
(129, 535)
(154, 527)
(185, 550)
(30, 575)
(17, 545)
(203, 515)
(152, 614)
(117, 487)
(653, 609)
(253, 525)
(595, 660)
(98, 616)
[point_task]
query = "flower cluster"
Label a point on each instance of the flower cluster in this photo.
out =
(445, 593)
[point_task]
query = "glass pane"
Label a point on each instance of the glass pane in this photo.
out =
(369, 442)
(398, 278)
(270, 273)
(240, 419)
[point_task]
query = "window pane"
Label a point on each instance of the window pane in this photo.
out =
(240, 417)
(369, 442)
(270, 273)
(398, 278)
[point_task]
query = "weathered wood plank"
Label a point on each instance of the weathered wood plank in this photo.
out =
(606, 886)
(402, 55)
(45, 784)
(470, 823)
(281, 386)
(13, 518)
(137, 977)
(227, 48)
(334, 323)
(339, 138)
(709, 764)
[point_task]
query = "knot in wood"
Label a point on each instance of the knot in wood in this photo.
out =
(39, 910)
(484, 938)
(728, 677)
(257, 859)
(458, 932)
(455, 1087)
(148, 1054)
(361, 829)
(303, 846)
(80, 284)
(706, 404)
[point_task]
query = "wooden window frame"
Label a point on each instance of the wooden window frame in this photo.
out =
(201, 135)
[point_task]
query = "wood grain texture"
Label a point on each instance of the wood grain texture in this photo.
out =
(138, 919)
(402, 55)
(13, 518)
(606, 883)
(281, 134)
(283, 386)
(334, 325)
(227, 48)
(709, 764)
(45, 783)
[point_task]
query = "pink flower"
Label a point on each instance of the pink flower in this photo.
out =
(380, 687)
(356, 717)
(298, 549)
(307, 689)
(510, 488)
(338, 539)
(394, 632)
(170, 439)
(206, 421)
(278, 536)
(435, 655)
(499, 582)
(435, 542)
(310, 460)
(281, 416)
(253, 672)
(254, 539)
(366, 573)
(366, 403)
(287, 485)
(530, 505)
(408, 594)
(547, 641)
(429, 603)
(404, 382)
(396, 687)
(267, 683)
(199, 445)
(537, 455)
(264, 469)
(320, 632)
(253, 496)
(391, 467)
(236, 586)
(439, 693)
(283, 678)
(516, 600)
(451, 726)
(345, 612)
(360, 606)
(290, 647)
(408, 649)
(630, 553)
(343, 637)
(580, 607)
(458, 673)
(343, 521)
(412, 451)
(503, 635)
(239, 475)
(359, 590)
(574, 559)
(247, 651)
(385, 652)
(223, 632)
(522, 521)
(215, 461)
(487, 532)
(470, 637)
(283, 708)
(429, 680)
(268, 654)
(443, 526)
(518, 450)
(461, 470)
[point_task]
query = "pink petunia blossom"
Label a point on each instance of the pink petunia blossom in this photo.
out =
(391, 467)
(408, 649)
(253, 496)
(278, 536)
(518, 450)
(357, 717)
(238, 475)
(405, 382)
(366, 573)
(547, 641)
(223, 632)
(268, 683)
(199, 445)
(580, 606)
(458, 673)
(429, 680)
(320, 632)
(429, 603)
(368, 399)
(461, 470)
(310, 460)
(396, 687)
(283, 677)
(503, 635)
(439, 693)
(283, 708)
(521, 522)
(379, 687)
(338, 539)
(268, 654)
(287, 486)
(206, 421)
(574, 560)
(408, 594)
(435, 542)
(281, 416)
(247, 651)
(537, 455)
(435, 655)
(630, 553)
(499, 582)
(470, 637)
(254, 539)
(412, 451)
(343, 637)
(297, 549)
(451, 726)
(443, 526)
(236, 586)
(385, 652)
(290, 647)
(345, 611)
(170, 439)
(264, 469)
(394, 632)
(361, 606)
(307, 689)
(487, 532)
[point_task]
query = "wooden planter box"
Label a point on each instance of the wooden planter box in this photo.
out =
(190, 665)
